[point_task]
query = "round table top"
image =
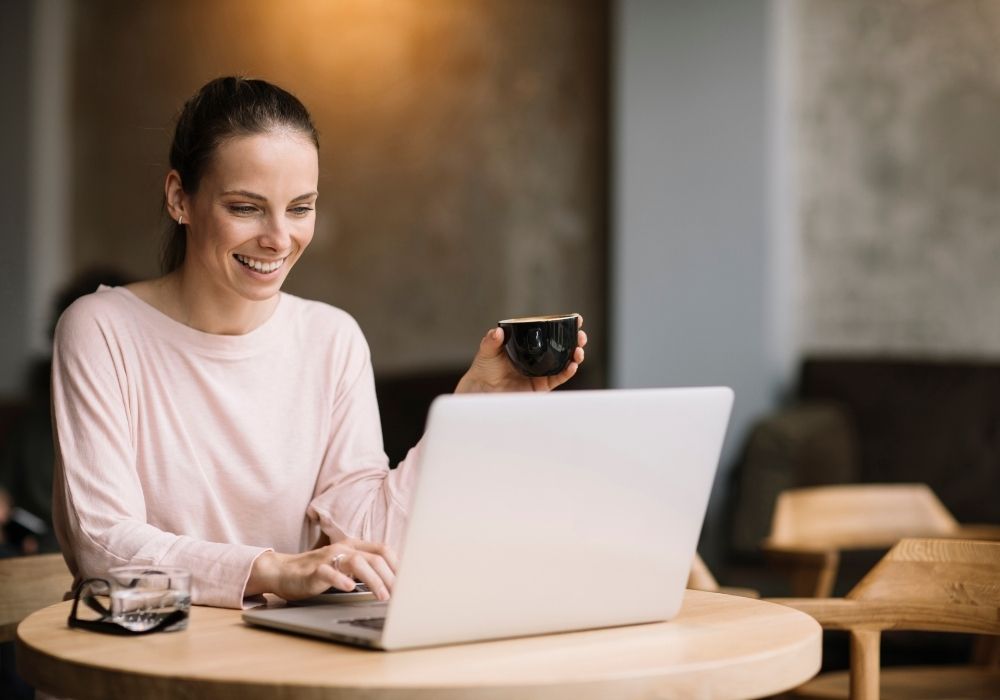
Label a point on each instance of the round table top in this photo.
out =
(719, 646)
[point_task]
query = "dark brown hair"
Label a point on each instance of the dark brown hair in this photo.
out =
(223, 109)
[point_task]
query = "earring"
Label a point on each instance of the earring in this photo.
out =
(180, 220)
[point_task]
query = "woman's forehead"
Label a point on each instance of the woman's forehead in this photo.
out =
(283, 158)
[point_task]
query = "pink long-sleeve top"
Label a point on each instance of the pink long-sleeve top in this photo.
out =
(178, 447)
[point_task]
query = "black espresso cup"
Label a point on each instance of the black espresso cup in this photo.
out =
(540, 346)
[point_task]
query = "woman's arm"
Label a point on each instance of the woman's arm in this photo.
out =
(357, 495)
(99, 501)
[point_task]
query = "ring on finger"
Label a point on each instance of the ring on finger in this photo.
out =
(336, 562)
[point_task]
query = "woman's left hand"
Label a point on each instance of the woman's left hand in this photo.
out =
(491, 370)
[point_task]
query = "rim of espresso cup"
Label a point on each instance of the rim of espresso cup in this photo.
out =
(536, 319)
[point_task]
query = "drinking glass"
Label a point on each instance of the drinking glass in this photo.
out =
(142, 597)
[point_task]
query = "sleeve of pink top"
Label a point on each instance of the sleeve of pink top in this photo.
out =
(357, 495)
(97, 489)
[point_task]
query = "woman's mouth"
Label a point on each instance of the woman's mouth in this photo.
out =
(264, 267)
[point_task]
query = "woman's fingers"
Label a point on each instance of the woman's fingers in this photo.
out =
(372, 563)
(298, 576)
(491, 343)
(382, 550)
(382, 569)
(571, 369)
(362, 570)
(558, 379)
(336, 577)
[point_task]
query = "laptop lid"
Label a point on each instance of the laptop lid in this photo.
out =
(541, 513)
(544, 513)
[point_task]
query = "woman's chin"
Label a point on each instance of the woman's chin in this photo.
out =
(256, 286)
(258, 290)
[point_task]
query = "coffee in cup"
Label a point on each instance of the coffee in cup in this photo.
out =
(540, 346)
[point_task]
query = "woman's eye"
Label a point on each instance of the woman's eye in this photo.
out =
(242, 209)
(300, 211)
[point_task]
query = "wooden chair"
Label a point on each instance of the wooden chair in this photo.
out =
(812, 526)
(28, 584)
(701, 579)
(943, 585)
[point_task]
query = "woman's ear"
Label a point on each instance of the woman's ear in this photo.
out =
(173, 193)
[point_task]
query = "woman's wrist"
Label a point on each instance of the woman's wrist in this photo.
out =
(467, 385)
(264, 574)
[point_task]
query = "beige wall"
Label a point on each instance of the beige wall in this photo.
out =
(897, 123)
(463, 151)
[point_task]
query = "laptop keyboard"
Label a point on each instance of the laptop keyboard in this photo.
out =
(358, 588)
(372, 623)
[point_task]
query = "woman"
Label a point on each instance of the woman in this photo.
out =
(205, 419)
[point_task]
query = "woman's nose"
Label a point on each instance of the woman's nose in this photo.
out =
(277, 234)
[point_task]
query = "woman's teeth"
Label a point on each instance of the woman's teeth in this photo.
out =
(260, 265)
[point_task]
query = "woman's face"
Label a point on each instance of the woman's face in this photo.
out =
(253, 214)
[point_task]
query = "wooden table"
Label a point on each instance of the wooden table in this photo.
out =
(720, 646)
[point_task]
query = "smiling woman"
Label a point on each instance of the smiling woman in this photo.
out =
(242, 189)
(208, 420)
(248, 222)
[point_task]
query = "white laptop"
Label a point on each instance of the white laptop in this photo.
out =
(539, 513)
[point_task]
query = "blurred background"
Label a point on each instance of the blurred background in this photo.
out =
(724, 188)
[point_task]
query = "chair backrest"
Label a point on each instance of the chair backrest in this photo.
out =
(28, 584)
(929, 584)
(858, 516)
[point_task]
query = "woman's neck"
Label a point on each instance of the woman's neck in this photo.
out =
(204, 307)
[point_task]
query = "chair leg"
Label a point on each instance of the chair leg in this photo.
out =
(815, 578)
(865, 664)
(986, 651)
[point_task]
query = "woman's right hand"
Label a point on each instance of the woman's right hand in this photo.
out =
(298, 576)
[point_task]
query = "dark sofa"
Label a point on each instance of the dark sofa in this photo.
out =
(871, 419)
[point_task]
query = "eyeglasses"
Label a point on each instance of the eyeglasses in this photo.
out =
(96, 595)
